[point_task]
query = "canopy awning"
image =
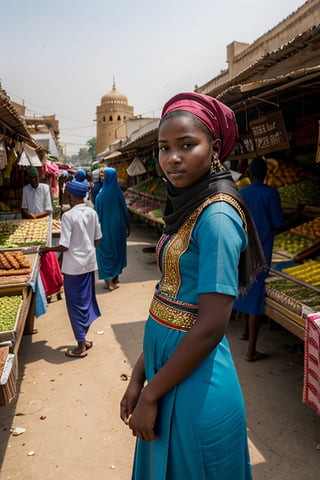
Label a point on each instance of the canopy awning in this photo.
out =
(29, 157)
(239, 97)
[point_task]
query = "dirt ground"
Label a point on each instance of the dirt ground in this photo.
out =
(69, 408)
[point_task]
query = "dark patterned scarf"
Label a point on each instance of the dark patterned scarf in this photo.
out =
(181, 202)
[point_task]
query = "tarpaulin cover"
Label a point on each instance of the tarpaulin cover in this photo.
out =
(29, 156)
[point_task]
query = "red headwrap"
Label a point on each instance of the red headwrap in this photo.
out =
(217, 117)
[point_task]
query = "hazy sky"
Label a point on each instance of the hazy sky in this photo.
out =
(60, 57)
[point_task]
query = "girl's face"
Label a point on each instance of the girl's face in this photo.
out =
(185, 151)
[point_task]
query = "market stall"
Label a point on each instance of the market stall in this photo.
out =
(21, 298)
(146, 200)
(139, 175)
(275, 101)
(19, 239)
(293, 285)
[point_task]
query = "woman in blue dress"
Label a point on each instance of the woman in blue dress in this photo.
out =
(184, 402)
(113, 214)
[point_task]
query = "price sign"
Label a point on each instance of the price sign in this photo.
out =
(269, 133)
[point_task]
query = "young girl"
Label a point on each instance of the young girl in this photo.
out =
(189, 417)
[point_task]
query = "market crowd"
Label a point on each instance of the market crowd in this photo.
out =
(93, 237)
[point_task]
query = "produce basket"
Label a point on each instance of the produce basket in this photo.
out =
(25, 233)
(290, 245)
(16, 267)
(12, 318)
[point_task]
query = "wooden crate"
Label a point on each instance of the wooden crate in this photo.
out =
(7, 382)
(289, 320)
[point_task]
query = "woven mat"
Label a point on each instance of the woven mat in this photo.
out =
(311, 381)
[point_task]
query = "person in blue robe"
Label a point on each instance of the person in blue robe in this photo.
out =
(265, 206)
(113, 215)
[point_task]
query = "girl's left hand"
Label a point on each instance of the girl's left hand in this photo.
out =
(143, 419)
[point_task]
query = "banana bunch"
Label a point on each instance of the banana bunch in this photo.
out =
(308, 271)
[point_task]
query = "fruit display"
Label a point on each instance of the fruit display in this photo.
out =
(308, 271)
(292, 295)
(153, 186)
(281, 173)
(304, 192)
(144, 205)
(148, 199)
(296, 185)
(21, 233)
(291, 243)
(9, 307)
(309, 229)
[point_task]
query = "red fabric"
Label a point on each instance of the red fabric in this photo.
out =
(217, 117)
(311, 383)
(50, 273)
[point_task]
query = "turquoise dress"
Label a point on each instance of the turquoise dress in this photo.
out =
(201, 424)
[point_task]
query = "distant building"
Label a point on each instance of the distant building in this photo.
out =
(45, 130)
(111, 116)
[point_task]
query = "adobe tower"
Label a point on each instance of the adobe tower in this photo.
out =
(111, 116)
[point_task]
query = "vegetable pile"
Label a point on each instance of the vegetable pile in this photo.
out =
(9, 306)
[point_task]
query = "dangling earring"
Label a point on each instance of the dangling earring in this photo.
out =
(215, 163)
